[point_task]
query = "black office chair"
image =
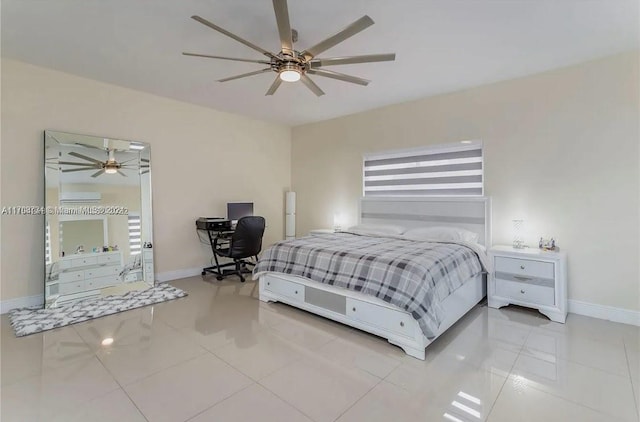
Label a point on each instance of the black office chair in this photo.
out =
(245, 242)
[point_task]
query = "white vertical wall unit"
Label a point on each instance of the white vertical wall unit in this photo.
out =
(290, 215)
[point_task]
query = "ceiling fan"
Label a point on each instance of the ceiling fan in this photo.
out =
(110, 166)
(292, 65)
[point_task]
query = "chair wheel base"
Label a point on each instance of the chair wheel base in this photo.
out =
(219, 277)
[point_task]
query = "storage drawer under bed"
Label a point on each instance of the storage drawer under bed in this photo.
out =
(379, 316)
(285, 288)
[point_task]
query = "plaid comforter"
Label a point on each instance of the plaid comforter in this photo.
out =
(412, 275)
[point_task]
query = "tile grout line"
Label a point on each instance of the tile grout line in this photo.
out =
(300, 410)
(380, 380)
(204, 350)
(284, 400)
(88, 358)
(633, 387)
(493, 405)
(221, 401)
(123, 390)
(601, 412)
(253, 382)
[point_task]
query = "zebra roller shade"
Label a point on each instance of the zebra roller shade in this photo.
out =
(450, 170)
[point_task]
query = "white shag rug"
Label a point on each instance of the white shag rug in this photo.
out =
(27, 321)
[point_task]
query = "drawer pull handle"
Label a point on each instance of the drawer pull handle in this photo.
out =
(296, 292)
(268, 284)
(354, 309)
(401, 324)
(522, 291)
(522, 267)
(519, 277)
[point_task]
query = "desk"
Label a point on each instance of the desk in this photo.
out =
(213, 236)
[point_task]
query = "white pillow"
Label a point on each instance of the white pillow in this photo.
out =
(455, 234)
(376, 229)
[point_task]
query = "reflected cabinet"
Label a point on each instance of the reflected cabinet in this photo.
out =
(98, 226)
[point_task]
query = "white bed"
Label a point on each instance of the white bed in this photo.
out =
(371, 314)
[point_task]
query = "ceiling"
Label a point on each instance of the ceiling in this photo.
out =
(442, 46)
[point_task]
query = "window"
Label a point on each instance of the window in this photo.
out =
(439, 170)
(135, 244)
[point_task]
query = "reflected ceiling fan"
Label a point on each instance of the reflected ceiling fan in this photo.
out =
(111, 166)
(292, 65)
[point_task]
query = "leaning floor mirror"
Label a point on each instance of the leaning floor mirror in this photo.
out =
(98, 224)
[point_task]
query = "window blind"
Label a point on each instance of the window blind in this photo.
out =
(135, 244)
(443, 170)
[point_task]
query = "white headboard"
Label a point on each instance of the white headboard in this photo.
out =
(472, 213)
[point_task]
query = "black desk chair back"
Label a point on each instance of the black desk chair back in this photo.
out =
(245, 242)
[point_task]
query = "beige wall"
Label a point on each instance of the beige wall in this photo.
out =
(561, 151)
(201, 159)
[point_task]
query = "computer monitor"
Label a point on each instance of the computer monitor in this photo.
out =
(237, 210)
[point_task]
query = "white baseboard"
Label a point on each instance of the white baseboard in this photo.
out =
(177, 274)
(625, 316)
(38, 300)
(21, 302)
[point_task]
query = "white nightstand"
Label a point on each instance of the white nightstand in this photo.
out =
(529, 277)
(316, 232)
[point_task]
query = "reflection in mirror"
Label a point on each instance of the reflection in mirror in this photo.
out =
(74, 234)
(98, 237)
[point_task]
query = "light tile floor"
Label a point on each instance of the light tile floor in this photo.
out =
(222, 355)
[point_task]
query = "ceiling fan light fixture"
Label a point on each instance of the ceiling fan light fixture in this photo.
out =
(110, 170)
(290, 75)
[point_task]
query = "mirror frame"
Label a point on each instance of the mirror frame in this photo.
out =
(52, 175)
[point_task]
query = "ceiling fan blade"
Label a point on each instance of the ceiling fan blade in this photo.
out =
(73, 163)
(84, 157)
(244, 75)
(226, 58)
(89, 146)
(284, 27)
(230, 35)
(122, 174)
(274, 86)
(311, 85)
(357, 26)
(78, 169)
(128, 161)
(367, 58)
(339, 76)
(98, 173)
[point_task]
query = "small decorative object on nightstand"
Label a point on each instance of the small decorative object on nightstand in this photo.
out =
(317, 232)
(529, 277)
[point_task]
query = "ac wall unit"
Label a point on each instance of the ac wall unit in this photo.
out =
(79, 197)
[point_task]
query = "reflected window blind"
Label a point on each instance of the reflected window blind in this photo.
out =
(443, 170)
(135, 244)
(47, 244)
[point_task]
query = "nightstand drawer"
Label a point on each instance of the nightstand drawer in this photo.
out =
(523, 292)
(525, 267)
